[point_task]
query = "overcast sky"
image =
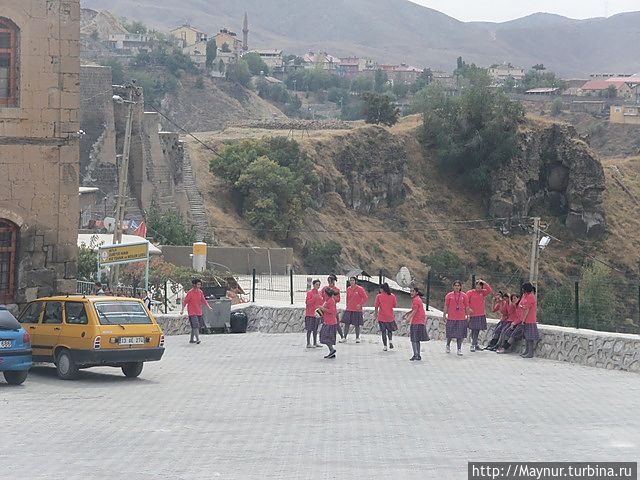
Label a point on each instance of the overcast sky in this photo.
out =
(502, 10)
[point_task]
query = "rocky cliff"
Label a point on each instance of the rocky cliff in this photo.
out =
(556, 171)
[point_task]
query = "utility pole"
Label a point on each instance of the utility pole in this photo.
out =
(535, 252)
(123, 176)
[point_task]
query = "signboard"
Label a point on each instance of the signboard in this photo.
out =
(123, 253)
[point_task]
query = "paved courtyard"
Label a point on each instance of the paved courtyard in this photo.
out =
(260, 406)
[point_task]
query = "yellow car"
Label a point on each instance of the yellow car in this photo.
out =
(77, 332)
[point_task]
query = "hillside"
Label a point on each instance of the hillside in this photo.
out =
(417, 224)
(399, 30)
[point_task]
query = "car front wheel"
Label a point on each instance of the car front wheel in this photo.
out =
(133, 369)
(67, 369)
(16, 377)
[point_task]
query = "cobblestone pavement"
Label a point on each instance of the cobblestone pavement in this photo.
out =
(261, 406)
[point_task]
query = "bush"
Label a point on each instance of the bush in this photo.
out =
(378, 109)
(88, 261)
(117, 72)
(556, 306)
(273, 179)
(473, 134)
(239, 72)
(169, 228)
(322, 257)
(556, 107)
(597, 302)
(155, 87)
(255, 63)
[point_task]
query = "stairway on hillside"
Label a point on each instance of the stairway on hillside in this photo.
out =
(196, 201)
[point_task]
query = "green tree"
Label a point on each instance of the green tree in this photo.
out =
(540, 79)
(400, 90)
(212, 52)
(424, 79)
(239, 72)
(539, 67)
(556, 107)
(225, 48)
(611, 92)
(556, 306)
(273, 180)
(322, 257)
(117, 72)
(378, 109)
(380, 81)
(169, 228)
(255, 63)
(135, 27)
(362, 84)
(473, 134)
(88, 260)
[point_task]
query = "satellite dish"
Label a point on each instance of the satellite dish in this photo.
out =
(404, 277)
(110, 224)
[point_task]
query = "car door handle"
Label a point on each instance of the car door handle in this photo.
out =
(32, 328)
(56, 328)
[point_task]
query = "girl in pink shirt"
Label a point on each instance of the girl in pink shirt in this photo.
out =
(478, 316)
(500, 305)
(311, 321)
(456, 308)
(527, 307)
(194, 300)
(384, 305)
(329, 322)
(418, 322)
(331, 281)
(356, 299)
(515, 332)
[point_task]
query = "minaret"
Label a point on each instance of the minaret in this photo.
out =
(245, 33)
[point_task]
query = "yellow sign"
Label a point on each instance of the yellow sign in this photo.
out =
(199, 248)
(123, 253)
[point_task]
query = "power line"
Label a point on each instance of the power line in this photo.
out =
(385, 230)
(183, 130)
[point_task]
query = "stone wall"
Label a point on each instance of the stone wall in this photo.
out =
(39, 151)
(613, 351)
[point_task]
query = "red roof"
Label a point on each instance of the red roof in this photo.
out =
(600, 84)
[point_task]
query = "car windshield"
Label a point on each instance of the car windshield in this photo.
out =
(122, 313)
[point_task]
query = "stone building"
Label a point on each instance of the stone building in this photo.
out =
(39, 103)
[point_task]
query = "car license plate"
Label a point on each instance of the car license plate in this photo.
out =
(6, 343)
(131, 341)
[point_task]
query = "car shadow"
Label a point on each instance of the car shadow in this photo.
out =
(86, 377)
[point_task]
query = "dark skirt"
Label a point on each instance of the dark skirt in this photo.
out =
(478, 323)
(456, 329)
(352, 318)
(388, 326)
(196, 321)
(512, 334)
(418, 333)
(531, 332)
(328, 334)
(311, 323)
(502, 325)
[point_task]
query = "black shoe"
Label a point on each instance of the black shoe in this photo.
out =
(418, 358)
(332, 354)
(198, 342)
(192, 341)
(391, 345)
(413, 358)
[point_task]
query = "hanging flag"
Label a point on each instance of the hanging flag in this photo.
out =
(141, 231)
(134, 225)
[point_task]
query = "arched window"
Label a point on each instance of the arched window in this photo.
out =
(9, 37)
(8, 251)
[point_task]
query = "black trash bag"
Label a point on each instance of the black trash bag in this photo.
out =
(239, 322)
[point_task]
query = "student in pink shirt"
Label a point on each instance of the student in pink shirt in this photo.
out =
(418, 323)
(456, 308)
(329, 322)
(311, 321)
(478, 316)
(194, 301)
(384, 305)
(528, 308)
(356, 299)
(501, 306)
(331, 283)
(515, 331)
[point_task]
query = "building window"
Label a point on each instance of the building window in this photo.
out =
(9, 36)
(8, 250)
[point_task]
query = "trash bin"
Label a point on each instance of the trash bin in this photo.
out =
(217, 319)
(239, 322)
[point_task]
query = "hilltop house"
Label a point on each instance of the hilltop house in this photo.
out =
(187, 35)
(272, 58)
(228, 42)
(627, 114)
(500, 73)
(626, 87)
(351, 67)
(321, 60)
(129, 43)
(198, 53)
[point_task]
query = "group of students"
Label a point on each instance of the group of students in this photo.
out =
(462, 312)
(321, 309)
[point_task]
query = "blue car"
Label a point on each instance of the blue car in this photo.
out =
(15, 349)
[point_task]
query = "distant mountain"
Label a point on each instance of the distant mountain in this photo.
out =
(399, 30)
